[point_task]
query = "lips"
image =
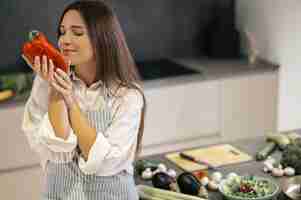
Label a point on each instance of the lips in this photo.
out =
(68, 51)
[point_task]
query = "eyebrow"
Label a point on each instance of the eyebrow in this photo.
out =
(73, 26)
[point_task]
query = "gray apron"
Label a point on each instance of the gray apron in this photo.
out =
(65, 181)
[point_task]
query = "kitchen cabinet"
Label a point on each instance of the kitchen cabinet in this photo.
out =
(181, 113)
(209, 111)
(15, 150)
(21, 184)
(249, 105)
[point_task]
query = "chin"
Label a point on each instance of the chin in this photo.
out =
(74, 62)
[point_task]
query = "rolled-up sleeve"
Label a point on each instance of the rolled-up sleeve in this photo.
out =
(53, 142)
(37, 127)
(117, 143)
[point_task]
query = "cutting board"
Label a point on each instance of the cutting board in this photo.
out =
(217, 155)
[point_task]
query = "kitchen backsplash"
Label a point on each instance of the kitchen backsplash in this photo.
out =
(170, 28)
(154, 29)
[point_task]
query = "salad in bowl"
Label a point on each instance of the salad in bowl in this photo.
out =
(248, 187)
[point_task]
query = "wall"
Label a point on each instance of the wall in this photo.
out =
(276, 26)
(153, 28)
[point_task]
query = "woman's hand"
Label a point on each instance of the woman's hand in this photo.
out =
(41, 68)
(57, 78)
(63, 84)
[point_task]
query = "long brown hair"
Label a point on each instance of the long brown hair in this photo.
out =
(115, 64)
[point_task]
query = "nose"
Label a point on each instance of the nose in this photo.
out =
(65, 39)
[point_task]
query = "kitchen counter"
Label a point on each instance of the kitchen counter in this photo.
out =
(212, 70)
(250, 146)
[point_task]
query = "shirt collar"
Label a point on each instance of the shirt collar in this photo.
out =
(95, 85)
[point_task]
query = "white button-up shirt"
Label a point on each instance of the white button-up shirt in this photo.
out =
(114, 148)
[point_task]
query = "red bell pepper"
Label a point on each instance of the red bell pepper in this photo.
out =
(38, 45)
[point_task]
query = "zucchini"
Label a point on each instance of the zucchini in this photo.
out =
(266, 151)
(164, 194)
(280, 139)
(144, 196)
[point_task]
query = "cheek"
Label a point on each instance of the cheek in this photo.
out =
(88, 49)
(90, 53)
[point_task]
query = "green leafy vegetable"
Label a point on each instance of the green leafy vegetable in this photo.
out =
(291, 156)
(248, 187)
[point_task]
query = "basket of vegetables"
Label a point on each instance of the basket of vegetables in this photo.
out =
(249, 187)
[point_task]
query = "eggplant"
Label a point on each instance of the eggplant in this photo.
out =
(189, 184)
(162, 180)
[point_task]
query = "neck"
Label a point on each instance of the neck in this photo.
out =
(87, 73)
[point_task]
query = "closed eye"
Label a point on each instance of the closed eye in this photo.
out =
(77, 30)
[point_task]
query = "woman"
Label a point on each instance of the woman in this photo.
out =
(87, 124)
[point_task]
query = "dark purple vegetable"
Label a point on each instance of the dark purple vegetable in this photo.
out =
(188, 184)
(162, 180)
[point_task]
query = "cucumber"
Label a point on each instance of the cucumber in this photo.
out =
(280, 139)
(164, 194)
(144, 196)
(266, 151)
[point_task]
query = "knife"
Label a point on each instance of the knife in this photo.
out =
(188, 157)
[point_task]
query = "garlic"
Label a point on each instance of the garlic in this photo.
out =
(269, 166)
(231, 176)
(203, 193)
(162, 167)
(213, 185)
(277, 172)
(156, 171)
(289, 171)
(271, 160)
(265, 169)
(217, 177)
(204, 181)
(172, 173)
(147, 174)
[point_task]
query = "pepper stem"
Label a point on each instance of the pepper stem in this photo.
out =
(33, 34)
